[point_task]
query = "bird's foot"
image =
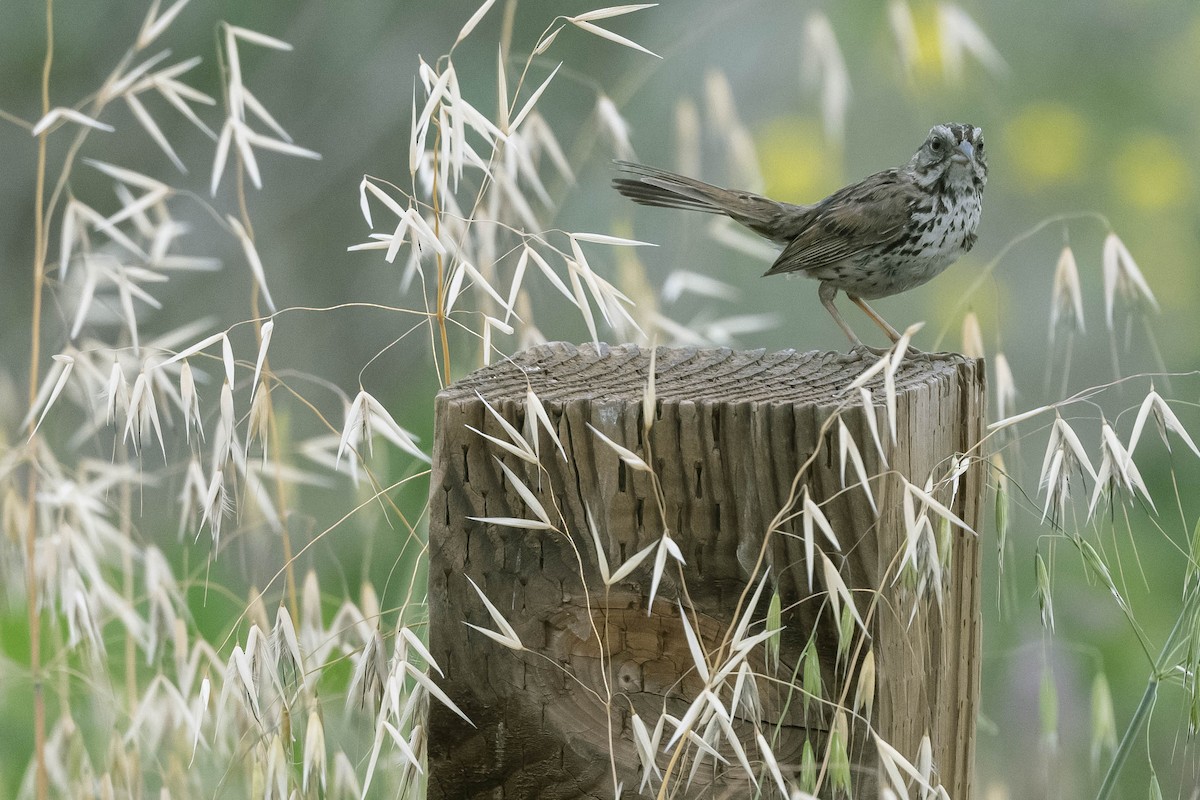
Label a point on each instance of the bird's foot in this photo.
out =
(910, 353)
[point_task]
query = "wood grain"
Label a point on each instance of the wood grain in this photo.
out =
(732, 431)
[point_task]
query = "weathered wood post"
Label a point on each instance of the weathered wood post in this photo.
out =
(736, 437)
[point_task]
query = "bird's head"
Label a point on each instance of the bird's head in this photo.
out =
(953, 157)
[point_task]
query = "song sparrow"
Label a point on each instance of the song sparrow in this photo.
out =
(881, 236)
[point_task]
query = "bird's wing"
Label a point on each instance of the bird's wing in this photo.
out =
(862, 217)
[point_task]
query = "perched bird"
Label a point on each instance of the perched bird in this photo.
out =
(881, 236)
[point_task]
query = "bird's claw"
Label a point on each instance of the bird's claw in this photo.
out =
(910, 353)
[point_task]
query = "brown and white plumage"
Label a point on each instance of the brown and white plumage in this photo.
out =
(887, 233)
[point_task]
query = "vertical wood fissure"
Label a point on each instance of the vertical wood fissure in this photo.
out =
(729, 434)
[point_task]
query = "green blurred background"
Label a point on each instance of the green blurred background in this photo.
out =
(1099, 110)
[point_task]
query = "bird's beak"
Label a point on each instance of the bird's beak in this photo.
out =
(966, 149)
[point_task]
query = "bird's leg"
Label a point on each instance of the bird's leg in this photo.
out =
(827, 292)
(892, 333)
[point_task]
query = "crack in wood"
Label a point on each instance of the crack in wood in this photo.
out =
(730, 431)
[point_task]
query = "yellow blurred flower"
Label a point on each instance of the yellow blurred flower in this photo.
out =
(1150, 172)
(916, 31)
(935, 39)
(1045, 144)
(798, 164)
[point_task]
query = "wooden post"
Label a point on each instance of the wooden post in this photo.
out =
(736, 437)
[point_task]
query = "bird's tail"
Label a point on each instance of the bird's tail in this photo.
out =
(651, 186)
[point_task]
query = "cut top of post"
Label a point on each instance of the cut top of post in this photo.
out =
(561, 371)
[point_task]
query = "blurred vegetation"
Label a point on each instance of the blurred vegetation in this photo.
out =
(1098, 110)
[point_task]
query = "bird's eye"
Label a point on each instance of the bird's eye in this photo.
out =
(936, 145)
(979, 146)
